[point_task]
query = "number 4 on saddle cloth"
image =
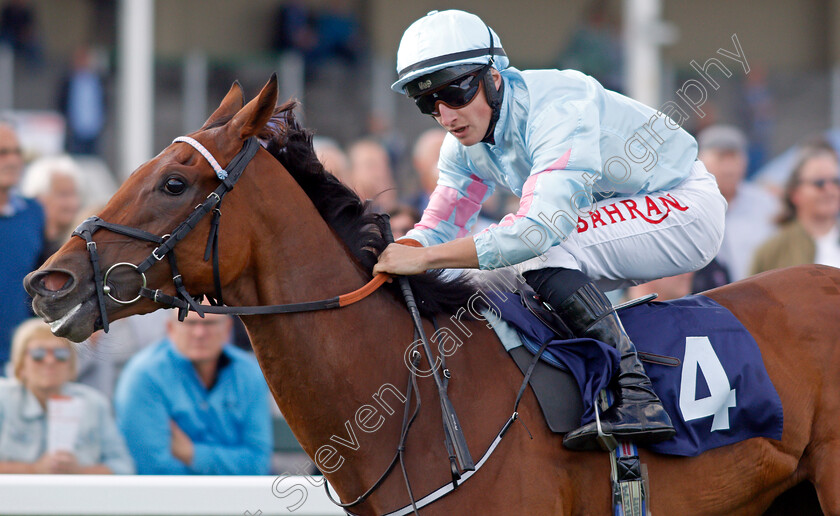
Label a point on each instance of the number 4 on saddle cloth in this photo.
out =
(718, 395)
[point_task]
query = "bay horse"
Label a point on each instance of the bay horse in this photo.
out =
(290, 232)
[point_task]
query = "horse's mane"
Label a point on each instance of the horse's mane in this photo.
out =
(360, 228)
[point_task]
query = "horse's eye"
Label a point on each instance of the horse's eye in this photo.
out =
(175, 185)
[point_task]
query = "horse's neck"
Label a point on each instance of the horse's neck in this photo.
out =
(321, 366)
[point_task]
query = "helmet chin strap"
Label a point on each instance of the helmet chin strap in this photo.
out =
(493, 95)
(494, 100)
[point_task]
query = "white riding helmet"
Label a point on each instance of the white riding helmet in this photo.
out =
(443, 39)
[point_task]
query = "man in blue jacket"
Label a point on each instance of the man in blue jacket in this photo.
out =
(611, 192)
(22, 234)
(194, 404)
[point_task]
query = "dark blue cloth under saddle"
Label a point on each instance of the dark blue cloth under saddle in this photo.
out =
(720, 393)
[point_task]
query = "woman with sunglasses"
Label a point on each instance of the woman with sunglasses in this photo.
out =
(43, 366)
(808, 230)
(611, 192)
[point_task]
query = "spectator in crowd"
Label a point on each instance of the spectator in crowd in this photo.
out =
(380, 128)
(331, 33)
(403, 218)
(595, 48)
(56, 182)
(22, 232)
(332, 157)
(424, 158)
(339, 35)
(370, 174)
(750, 212)
(43, 367)
(193, 404)
(808, 230)
(81, 100)
(759, 113)
(102, 356)
(17, 29)
(294, 29)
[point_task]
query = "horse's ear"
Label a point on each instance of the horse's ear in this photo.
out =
(231, 104)
(252, 118)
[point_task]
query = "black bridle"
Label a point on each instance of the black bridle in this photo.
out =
(183, 300)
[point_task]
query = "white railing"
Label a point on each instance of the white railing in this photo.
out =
(93, 495)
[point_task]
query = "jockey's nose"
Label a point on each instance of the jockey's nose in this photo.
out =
(447, 115)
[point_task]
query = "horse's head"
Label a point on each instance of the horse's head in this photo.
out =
(75, 286)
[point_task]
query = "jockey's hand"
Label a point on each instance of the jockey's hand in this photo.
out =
(402, 260)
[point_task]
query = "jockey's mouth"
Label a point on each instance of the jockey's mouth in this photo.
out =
(459, 131)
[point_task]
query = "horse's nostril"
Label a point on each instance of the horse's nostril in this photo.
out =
(56, 281)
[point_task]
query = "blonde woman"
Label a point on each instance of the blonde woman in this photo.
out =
(43, 366)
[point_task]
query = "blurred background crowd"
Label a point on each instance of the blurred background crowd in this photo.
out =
(161, 396)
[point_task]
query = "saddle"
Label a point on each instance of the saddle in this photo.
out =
(556, 390)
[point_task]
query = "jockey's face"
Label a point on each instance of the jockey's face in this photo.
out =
(469, 123)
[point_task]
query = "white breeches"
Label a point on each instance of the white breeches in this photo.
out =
(625, 241)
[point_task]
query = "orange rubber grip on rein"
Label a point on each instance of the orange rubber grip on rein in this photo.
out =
(375, 283)
(410, 242)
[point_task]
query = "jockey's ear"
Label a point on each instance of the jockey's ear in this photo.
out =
(252, 118)
(497, 77)
(231, 104)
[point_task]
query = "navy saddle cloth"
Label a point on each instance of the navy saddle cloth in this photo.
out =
(719, 395)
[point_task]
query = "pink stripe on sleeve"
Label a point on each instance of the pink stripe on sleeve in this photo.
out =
(469, 205)
(528, 187)
(441, 204)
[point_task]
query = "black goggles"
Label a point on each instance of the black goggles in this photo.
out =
(455, 94)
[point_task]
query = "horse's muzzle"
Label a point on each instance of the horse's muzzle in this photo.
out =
(50, 283)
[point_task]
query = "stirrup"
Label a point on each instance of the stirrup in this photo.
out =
(608, 442)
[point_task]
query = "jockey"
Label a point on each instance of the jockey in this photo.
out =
(611, 193)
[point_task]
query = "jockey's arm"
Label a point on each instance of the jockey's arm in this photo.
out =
(404, 260)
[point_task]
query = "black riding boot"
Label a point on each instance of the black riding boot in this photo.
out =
(637, 413)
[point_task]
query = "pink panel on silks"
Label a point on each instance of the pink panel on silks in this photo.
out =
(446, 200)
(561, 163)
(469, 205)
(441, 204)
(528, 194)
